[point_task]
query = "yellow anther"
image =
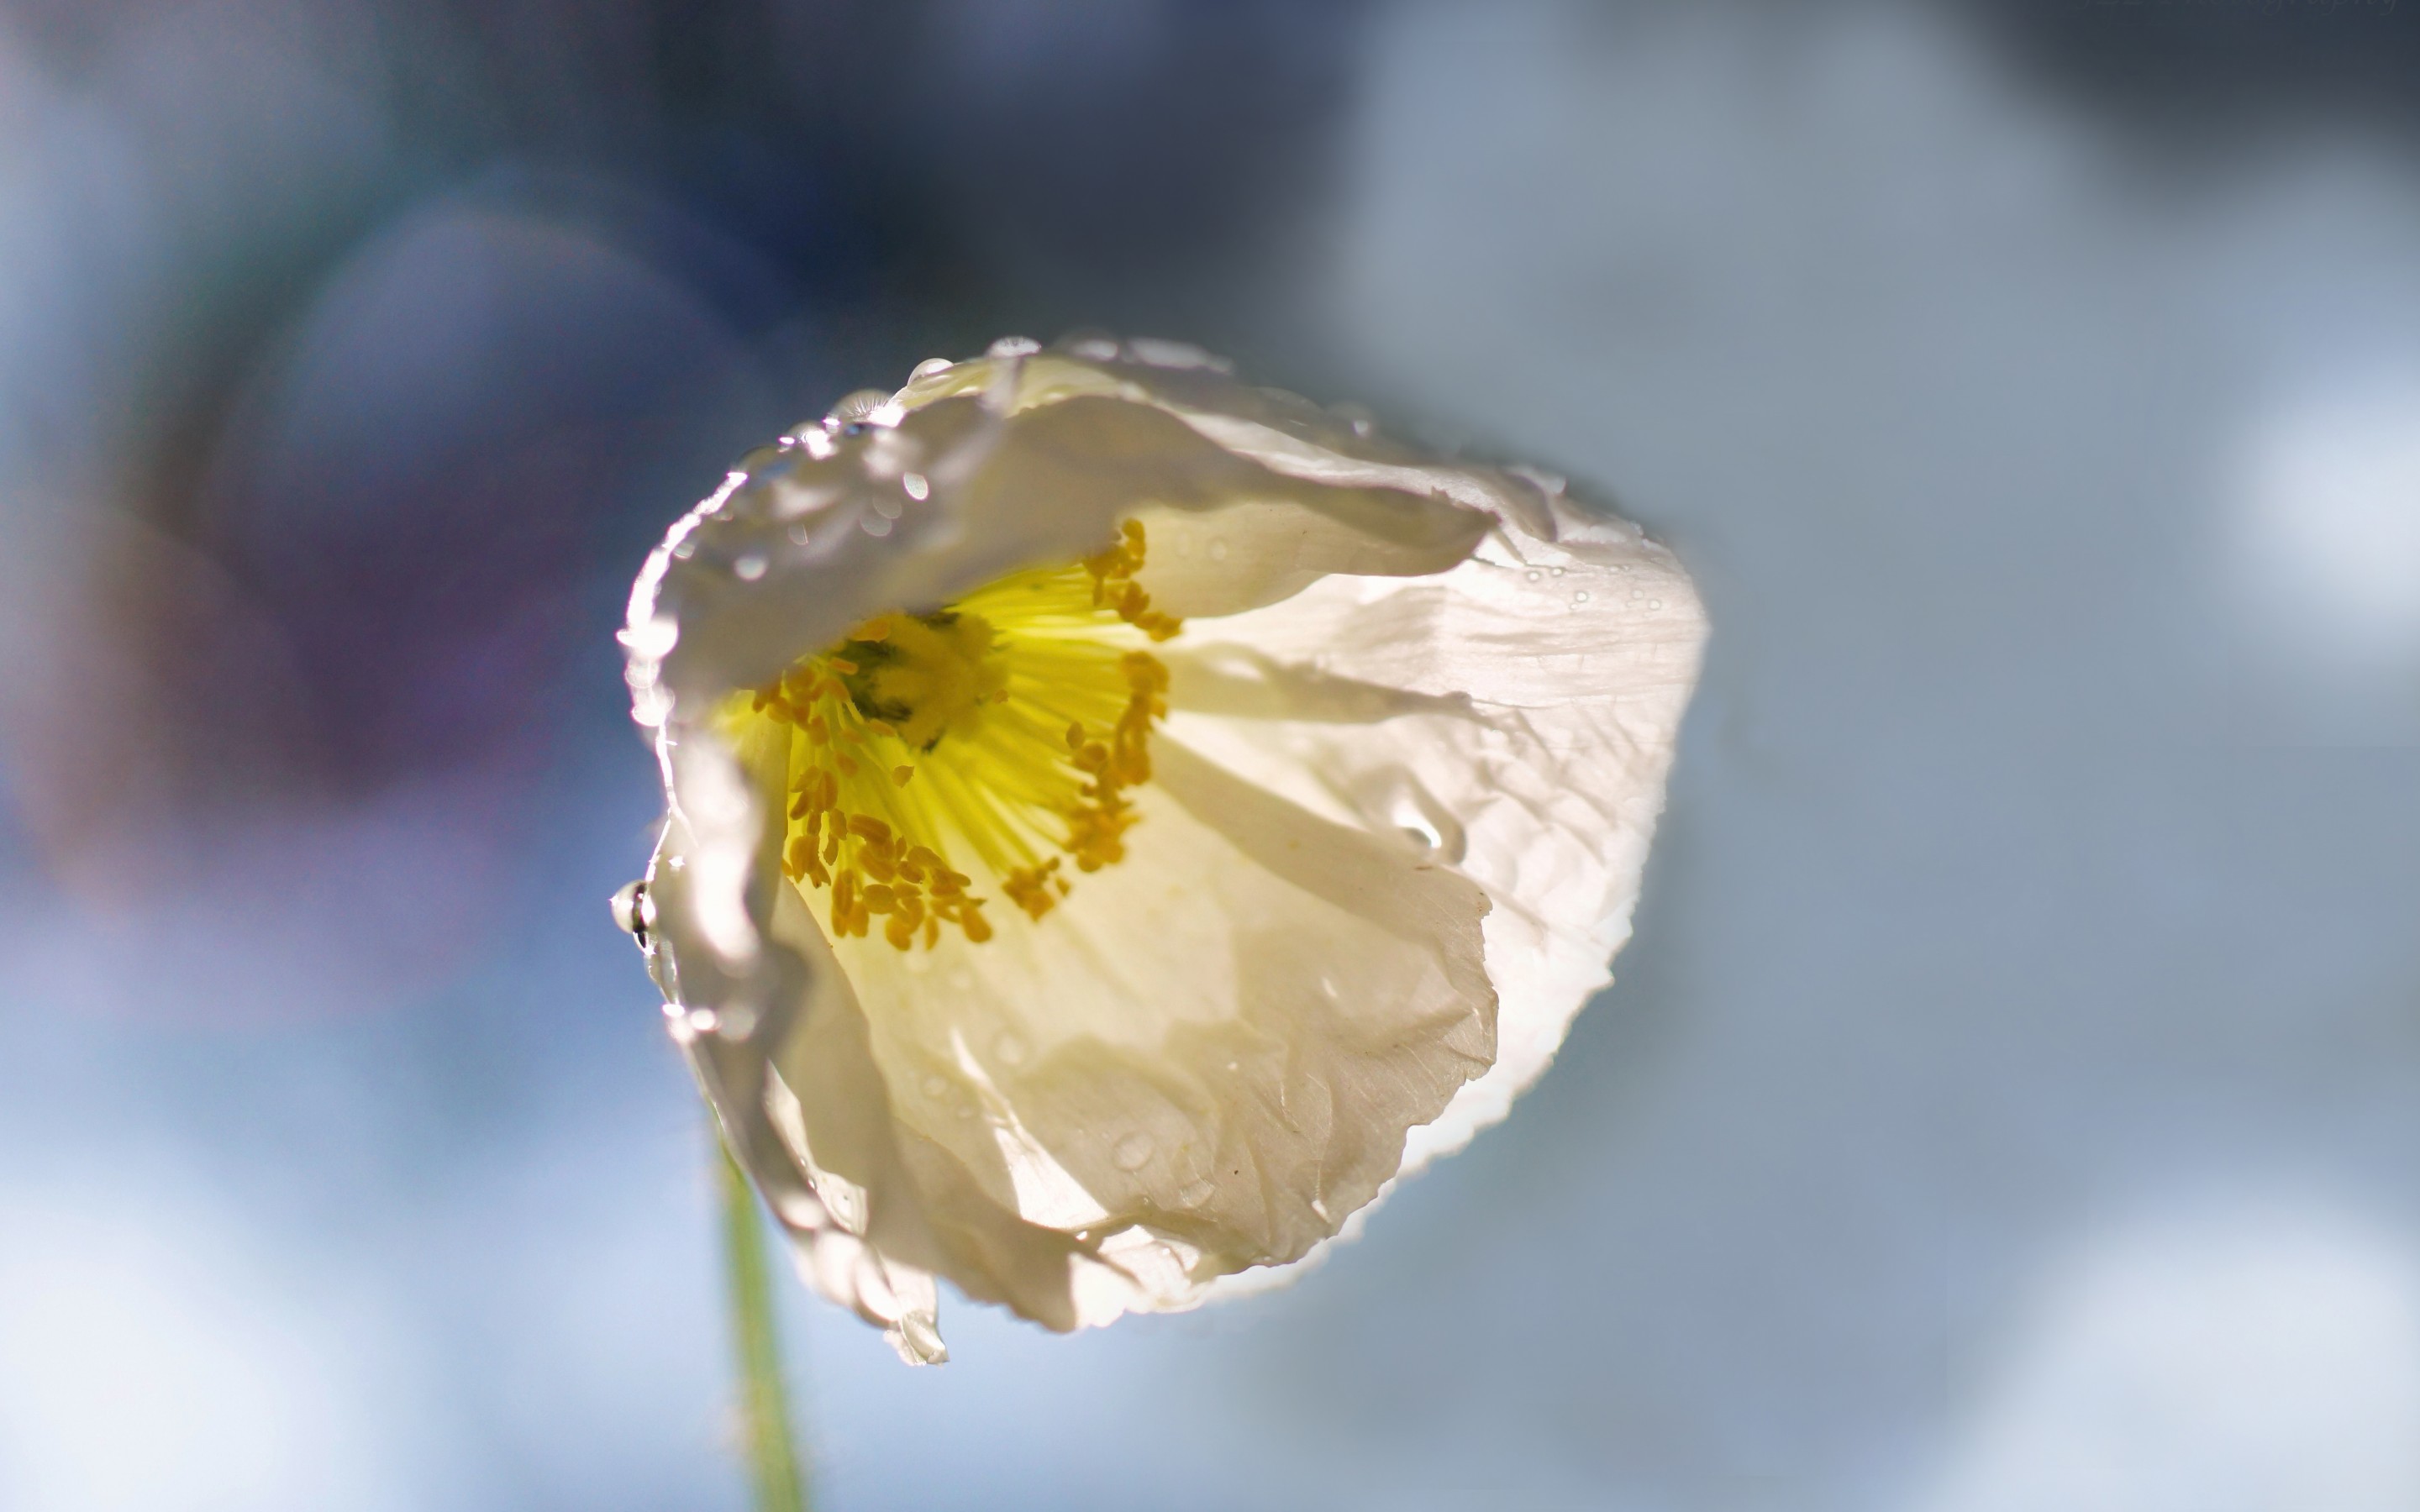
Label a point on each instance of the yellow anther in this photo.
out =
(974, 691)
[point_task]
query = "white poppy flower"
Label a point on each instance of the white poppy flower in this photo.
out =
(1121, 820)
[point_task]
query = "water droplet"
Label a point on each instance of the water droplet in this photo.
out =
(1009, 1049)
(1654, 603)
(934, 1085)
(1533, 575)
(703, 1020)
(1218, 549)
(1194, 1193)
(799, 535)
(875, 525)
(1559, 572)
(916, 486)
(1328, 989)
(931, 365)
(965, 1110)
(849, 414)
(1013, 346)
(1638, 593)
(888, 507)
(1133, 1152)
(1580, 597)
(1319, 1207)
(685, 551)
(748, 568)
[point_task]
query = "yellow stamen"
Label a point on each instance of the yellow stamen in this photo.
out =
(1027, 707)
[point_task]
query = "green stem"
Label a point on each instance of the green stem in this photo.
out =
(773, 1462)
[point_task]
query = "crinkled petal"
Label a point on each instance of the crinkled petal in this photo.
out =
(1422, 712)
(1514, 717)
(1225, 1050)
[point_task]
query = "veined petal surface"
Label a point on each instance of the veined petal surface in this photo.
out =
(1365, 839)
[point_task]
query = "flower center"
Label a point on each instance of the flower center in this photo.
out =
(990, 739)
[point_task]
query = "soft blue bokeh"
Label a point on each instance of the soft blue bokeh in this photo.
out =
(2011, 1099)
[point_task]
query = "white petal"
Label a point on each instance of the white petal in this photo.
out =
(1514, 716)
(1218, 1047)
(1424, 716)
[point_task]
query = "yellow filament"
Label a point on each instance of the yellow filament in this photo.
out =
(1000, 735)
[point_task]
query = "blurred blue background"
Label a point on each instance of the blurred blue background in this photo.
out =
(2011, 1100)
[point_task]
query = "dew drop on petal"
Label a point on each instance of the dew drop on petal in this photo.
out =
(916, 486)
(1580, 597)
(1654, 603)
(1194, 1193)
(931, 365)
(1218, 549)
(703, 1020)
(748, 568)
(1009, 1049)
(935, 1086)
(1559, 572)
(1533, 575)
(875, 525)
(799, 535)
(1134, 1151)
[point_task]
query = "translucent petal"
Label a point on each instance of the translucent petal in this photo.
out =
(1422, 712)
(1512, 717)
